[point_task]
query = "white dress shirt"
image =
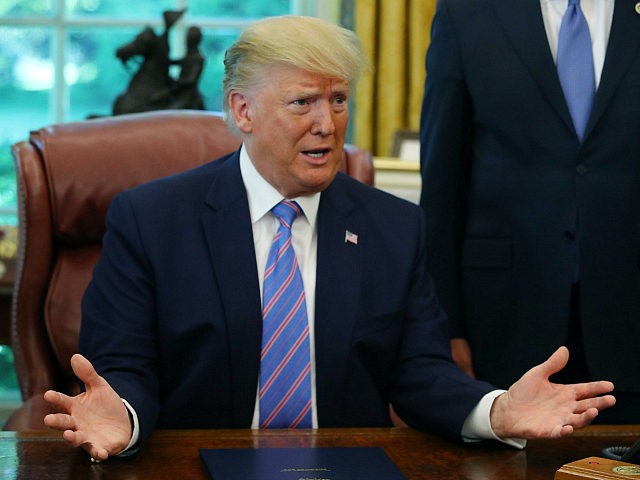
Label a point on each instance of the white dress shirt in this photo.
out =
(304, 237)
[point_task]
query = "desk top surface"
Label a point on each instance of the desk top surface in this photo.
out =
(174, 453)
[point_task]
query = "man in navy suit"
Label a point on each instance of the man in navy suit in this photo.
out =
(172, 320)
(534, 224)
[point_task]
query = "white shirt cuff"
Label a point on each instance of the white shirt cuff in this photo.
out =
(134, 435)
(477, 426)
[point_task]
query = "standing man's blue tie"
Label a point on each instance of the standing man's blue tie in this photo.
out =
(575, 65)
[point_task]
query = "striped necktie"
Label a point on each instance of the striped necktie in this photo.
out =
(285, 380)
(575, 65)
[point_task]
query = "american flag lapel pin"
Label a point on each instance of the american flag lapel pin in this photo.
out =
(350, 237)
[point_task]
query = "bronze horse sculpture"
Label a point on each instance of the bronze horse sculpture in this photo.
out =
(151, 87)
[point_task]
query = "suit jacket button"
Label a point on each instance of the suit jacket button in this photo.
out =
(581, 169)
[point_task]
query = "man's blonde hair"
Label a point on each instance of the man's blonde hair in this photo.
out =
(308, 43)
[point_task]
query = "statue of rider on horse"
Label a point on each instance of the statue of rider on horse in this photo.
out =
(152, 87)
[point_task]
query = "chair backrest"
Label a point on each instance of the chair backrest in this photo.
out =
(67, 175)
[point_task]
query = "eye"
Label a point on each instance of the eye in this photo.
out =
(301, 102)
(339, 103)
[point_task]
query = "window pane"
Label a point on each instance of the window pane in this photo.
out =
(25, 8)
(9, 391)
(154, 8)
(213, 45)
(94, 75)
(119, 8)
(235, 8)
(26, 80)
(8, 380)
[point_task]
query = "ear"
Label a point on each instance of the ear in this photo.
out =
(239, 108)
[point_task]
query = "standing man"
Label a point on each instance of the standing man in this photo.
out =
(530, 157)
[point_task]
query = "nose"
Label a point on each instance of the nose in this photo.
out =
(323, 123)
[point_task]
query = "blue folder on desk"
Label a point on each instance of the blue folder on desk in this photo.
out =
(341, 463)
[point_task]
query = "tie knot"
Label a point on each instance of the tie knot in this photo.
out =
(574, 2)
(287, 212)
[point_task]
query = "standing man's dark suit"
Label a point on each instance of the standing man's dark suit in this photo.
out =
(181, 254)
(508, 189)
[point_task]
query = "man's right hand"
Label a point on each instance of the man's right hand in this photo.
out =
(96, 420)
(461, 353)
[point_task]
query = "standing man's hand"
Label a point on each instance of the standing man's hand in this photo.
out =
(96, 420)
(461, 353)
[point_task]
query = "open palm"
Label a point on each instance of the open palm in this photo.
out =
(536, 408)
(96, 420)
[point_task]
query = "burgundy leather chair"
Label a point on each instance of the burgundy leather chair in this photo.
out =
(67, 175)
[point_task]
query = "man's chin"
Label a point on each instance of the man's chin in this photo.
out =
(311, 187)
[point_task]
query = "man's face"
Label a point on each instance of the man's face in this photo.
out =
(293, 127)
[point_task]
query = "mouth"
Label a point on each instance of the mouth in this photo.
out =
(317, 154)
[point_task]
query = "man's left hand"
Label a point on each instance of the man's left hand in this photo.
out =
(536, 408)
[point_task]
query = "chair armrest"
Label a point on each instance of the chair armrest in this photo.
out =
(30, 415)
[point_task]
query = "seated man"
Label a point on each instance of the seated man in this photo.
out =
(191, 319)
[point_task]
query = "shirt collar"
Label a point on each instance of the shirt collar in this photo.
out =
(263, 197)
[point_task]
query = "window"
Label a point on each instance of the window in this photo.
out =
(58, 64)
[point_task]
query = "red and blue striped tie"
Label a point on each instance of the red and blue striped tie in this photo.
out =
(285, 380)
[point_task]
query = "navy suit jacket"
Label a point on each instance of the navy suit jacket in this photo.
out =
(508, 188)
(172, 316)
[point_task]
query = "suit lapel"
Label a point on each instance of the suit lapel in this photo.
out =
(623, 46)
(230, 239)
(522, 23)
(338, 281)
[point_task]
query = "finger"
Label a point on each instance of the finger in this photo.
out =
(592, 389)
(573, 422)
(565, 431)
(59, 401)
(84, 370)
(599, 403)
(579, 420)
(556, 362)
(560, 431)
(97, 454)
(60, 421)
(72, 438)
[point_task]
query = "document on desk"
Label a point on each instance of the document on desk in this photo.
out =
(341, 463)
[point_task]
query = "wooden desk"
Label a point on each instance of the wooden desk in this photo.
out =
(174, 454)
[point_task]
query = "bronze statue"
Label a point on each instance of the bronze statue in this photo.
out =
(185, 93)
(152, 87)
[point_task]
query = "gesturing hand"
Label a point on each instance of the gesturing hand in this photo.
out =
(536, 408)
(96, 420)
